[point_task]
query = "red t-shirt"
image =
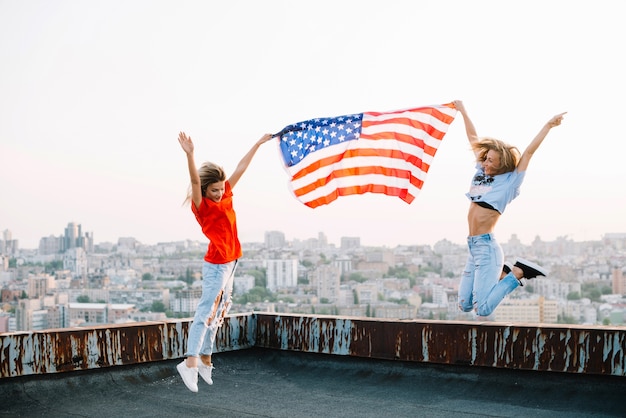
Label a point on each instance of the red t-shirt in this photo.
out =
(219, 225)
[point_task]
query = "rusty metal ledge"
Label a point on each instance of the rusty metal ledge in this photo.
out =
(63, 350)
(539, 347)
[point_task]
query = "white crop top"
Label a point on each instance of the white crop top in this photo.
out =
(496, 191)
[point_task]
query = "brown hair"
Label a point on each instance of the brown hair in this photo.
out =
(209, 173)
(509, 154)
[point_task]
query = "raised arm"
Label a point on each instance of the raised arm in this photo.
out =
(534, 144)
(470, 130)
(245, 161)
(196, 191)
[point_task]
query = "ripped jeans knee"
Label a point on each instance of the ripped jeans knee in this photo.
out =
(465, 306)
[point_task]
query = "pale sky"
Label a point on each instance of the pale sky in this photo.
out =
(94, 93)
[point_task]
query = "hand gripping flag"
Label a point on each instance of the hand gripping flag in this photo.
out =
(371, 152)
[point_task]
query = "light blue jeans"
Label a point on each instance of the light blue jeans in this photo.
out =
(481, 289)
(215, 302)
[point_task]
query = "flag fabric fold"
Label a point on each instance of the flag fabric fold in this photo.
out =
(371, 152)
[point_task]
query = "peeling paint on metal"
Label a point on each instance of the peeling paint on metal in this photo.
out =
(64, 350)
(571, 349)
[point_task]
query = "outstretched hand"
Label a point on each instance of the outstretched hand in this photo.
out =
(185, 142)
(556, 120)
(458, 104)
(264, 139)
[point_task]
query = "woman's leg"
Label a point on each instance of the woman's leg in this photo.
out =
(489, 290)
(466, 286)
(212, 282)
(222, 306)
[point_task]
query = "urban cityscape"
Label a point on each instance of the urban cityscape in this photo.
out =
(70, 281)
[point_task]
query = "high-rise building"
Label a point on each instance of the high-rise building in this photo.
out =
(349, 243)
(274, 239)
(72, 235)
(618, 279)
(537, 309)
(8, 245)
(281, 274)
(74, 238)
(38, 286)
(327, 279)
(50, 245)
(186, 301)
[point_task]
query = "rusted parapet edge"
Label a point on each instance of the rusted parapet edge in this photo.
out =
(63, 350)
(573, 349)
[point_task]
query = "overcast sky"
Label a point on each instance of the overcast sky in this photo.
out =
(94, 93)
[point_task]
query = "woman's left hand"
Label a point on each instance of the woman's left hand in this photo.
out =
(556, 120)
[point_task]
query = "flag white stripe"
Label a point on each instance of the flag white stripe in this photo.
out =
(369, 179)
(348, 163)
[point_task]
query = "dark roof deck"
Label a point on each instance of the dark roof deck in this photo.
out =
(260, 382)
(298, 366)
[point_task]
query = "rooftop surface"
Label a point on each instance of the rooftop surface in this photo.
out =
(258, 382)
(280, 365)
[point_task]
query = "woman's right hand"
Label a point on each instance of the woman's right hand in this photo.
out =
(185, 142)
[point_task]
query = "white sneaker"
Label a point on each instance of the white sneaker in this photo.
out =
(189, 375)
(205, 372)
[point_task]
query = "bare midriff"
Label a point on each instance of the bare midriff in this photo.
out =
(481, 220)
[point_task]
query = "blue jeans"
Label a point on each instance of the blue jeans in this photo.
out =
(217, 289)
(481, 289)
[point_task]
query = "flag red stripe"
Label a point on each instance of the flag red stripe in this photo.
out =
(368, 152)
(433, 111)
(359, 171)
(369, 188)
(429, 129)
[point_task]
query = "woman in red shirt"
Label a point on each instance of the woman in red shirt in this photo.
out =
(212, 204)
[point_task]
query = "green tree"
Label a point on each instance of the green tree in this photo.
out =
(157, 306)
(147, 277)
(188, 277)
(82, 299)
(255, 295)
(565, 319)
(400, 272)
(573, 296)
(53, 266)
(260, 278)
(594, 294)
(356, 277)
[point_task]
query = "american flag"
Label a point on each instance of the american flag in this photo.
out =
(371, 152)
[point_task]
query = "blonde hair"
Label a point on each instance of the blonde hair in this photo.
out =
(509, 154)
(209, 173)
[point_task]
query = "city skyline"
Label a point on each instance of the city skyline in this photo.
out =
(94, 95)
(88, 238)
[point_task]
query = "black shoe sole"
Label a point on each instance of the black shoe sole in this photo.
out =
(531, 270)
